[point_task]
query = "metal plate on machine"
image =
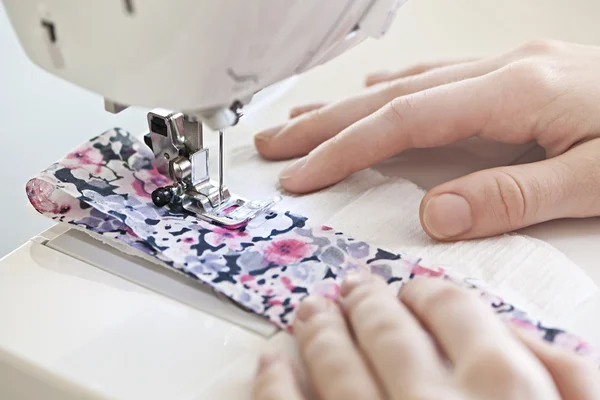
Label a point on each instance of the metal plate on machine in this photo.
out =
(159, 279)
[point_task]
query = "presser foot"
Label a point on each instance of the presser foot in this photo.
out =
(231, 212)
(177, 142)
(208, 204)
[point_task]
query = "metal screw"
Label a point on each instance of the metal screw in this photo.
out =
(166, 156)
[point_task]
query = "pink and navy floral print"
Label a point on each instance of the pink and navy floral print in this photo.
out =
(104, 186)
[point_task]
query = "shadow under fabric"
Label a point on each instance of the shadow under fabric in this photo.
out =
(104, 187)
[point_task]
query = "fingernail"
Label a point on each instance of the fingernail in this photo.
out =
(447, 216)
(266, 360)
(312, 306)
(292, 169)
(354, 279)
(267, 134)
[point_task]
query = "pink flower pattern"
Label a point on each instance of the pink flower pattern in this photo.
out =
(286, 251)
(91, 158)
(233, 238)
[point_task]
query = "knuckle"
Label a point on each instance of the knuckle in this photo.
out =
(535, 84)
(510, 205)
(369, 303)
(447, 296)
(359, 294)
(398, 113)
(522, 70)
(533, 76)
(540, 46)
(375, 322)
(399, 108)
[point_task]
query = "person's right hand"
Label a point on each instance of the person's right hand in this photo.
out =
(547, 92)
(437, 342)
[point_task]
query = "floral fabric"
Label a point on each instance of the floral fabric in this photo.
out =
(104, 186)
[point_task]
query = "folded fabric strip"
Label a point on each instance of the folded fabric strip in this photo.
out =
(104, 186)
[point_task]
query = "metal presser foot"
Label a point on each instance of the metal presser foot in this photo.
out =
(177, 143)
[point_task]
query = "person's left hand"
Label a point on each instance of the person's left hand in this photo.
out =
(438, 341)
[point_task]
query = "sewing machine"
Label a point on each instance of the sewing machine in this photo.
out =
(81, 320)
(205, 60)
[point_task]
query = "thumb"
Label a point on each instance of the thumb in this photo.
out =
(505, 199)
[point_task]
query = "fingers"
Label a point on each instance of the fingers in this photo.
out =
(304, 133)
(574, 376)
(386, 76)
(504, 199)
(377, 78)
(400, 351)
(487, 358)
(432, 117)
(275, 380)
(462, 325)
(333, 363)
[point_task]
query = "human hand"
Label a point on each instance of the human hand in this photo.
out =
(547, 92)
(438, 342)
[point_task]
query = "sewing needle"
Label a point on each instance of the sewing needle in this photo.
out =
(220, 166)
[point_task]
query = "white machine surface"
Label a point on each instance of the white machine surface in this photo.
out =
(79, 320)
(195, 56)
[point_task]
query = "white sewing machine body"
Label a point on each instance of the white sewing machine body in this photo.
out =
(203, 59)
(195, 56)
